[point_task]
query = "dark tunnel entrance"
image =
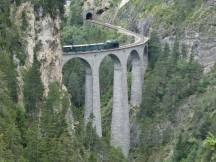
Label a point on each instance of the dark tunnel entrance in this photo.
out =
(89, 16)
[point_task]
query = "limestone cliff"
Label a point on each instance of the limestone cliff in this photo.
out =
(41, 35)
(42, 38)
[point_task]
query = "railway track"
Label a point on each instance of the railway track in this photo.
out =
(139, 39)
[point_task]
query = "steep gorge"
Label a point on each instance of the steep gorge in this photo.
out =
(178, 109)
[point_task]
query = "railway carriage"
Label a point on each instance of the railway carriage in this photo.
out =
(91, 47)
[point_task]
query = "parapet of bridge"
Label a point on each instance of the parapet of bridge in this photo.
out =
(120, 125)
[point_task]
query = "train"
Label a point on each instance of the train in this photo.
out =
(110, 44)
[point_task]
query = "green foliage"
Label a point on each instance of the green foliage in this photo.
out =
(184, 51)
(33, 90)
(75, 31)
(53, 7)
(75, 16)
(10, 42)
(88, 33)
(168, 83)
(74, 79)
(53, 131)
(106, 91)
(10, 48)
(10, 147)
(25, 24)
(182, 149)
(154, 49)
(170, 18)
(176, 52)
(39, 131)
(207, 81)
(8, 68)
(210, 141)
(163, 82)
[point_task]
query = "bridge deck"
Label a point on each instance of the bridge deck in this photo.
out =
(139, 39)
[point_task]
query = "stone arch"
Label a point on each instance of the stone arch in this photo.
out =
(136, 78)
(89, 16)
(87, 86)
(69, 58)
(134, 55)
(115, 59)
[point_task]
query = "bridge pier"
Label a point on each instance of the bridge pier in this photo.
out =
(126, 113)
(136, 83)
(88, 95)
(120, 129)
(117, 119)
(96, 102)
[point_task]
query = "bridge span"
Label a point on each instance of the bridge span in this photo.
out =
(137, 52)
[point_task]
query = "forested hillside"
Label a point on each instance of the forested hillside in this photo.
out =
(176, 119)
(41, 110)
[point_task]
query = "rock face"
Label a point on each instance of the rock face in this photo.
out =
(30, 34)
(49, 51)
(197, 31)
(101, 8)
(42, 38)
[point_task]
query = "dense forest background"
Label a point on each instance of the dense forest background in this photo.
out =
(177, 113)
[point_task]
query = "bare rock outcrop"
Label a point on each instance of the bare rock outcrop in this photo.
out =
(42, 38)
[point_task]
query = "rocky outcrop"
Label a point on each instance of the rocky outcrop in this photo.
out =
(29, 30)
(197, 30)
(42, 38)
(102, 9)
(49, 51)
(41, 35)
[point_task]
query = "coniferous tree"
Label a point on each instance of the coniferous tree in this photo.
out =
(33, 90)
(176, 51)
(75, 16)
(164, 58)
(154, 49)
(184, 51)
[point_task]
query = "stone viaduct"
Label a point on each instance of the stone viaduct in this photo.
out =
(137, 53)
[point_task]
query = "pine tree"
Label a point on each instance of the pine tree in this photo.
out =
(154, 49)
(184, 51)
(176, 51)
(33, 90)
(165, 56)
